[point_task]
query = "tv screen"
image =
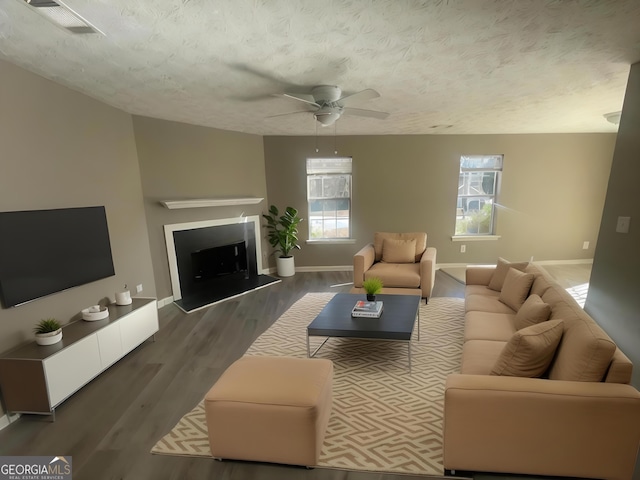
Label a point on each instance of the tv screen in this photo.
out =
(47, 251)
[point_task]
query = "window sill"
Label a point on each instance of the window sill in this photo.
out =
(331, 241)
(474, 238)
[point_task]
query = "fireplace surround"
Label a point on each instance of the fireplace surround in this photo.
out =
(214, 260)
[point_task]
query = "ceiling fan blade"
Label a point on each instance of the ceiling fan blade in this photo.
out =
(290, 113)
(365, 113)
(303, 97)
(360, 96)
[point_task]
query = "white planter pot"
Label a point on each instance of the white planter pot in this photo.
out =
(286, 266)
(49, 338)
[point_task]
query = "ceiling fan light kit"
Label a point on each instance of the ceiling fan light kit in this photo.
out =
(330, 105)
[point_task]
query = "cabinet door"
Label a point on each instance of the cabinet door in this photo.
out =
(139, 325)
(72, 368)
(110, 345)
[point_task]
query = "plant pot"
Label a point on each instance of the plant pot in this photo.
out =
(286, 266)
(371, 298)
(49, 338)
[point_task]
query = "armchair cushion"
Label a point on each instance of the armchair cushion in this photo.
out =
(398, 251)
(420, 238)
(404, 275)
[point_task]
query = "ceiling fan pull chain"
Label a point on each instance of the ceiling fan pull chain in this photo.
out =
(316, 137)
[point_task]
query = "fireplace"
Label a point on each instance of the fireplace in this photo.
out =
(214, 260)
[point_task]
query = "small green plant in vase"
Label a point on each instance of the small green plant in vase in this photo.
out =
(372, 286)
(48, 331)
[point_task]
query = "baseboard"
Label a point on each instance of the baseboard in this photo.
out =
(538, 262)
(164, 302)
(319, 268)
(322, 268)
(579, 261)
(6, 420)
(451, 265)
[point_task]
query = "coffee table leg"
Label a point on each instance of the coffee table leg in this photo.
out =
(313, 354)
(409, 343)
(418, 324)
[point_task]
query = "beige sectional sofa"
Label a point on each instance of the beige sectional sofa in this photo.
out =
(579, 418)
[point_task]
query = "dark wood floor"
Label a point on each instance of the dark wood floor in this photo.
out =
(110, 425)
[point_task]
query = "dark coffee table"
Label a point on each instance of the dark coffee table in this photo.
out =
(395, 323)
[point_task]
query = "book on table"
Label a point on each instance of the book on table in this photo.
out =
(367, 309)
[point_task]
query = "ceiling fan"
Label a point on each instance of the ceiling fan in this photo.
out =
(327, 104)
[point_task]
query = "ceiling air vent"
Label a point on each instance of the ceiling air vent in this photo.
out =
(63, 16)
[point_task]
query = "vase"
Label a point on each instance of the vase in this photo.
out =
(49, 338)
(285, 266)
(371, 298)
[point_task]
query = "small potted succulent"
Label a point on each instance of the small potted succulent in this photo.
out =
(372, 286)
(48, 332)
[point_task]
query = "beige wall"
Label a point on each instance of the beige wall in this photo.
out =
(181, 161)
(64, 149)
(553, 189)
(614, 290)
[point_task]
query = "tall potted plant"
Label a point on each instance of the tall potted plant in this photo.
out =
(283, 237)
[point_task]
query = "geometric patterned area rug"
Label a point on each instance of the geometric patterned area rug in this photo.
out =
(383, 418)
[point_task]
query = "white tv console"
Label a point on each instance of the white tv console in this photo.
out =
(36, 379)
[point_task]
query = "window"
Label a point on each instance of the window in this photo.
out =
(329, 198)
(477, 188)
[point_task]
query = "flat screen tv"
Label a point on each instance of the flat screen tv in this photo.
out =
(47, 251)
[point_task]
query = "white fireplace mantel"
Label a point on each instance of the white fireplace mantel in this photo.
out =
(210, 202)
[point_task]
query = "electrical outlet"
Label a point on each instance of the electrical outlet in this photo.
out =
(585, 245)
(139, 288)
(463, 248)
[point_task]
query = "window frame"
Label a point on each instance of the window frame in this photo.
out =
(481, 198)
(319, 173)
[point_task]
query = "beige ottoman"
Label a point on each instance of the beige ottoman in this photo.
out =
(270, 409)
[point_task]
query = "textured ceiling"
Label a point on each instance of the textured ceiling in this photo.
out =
(482, 66)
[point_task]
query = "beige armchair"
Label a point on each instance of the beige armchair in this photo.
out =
(400, 260)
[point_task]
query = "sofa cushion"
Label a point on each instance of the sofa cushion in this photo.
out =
(479, 290)
(584, 354)
(540, 283)
(533, 311)
(500, 273)
(488, 326)
(405, 275)
(398, 251)
(420, 238)
(516, 288)
(479, 356)
(485, 303)
(530, 351)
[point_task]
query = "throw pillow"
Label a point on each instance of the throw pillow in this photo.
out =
(516, 288)
(532, 311)
(398, 251)
(530, 351)
(499, 274)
